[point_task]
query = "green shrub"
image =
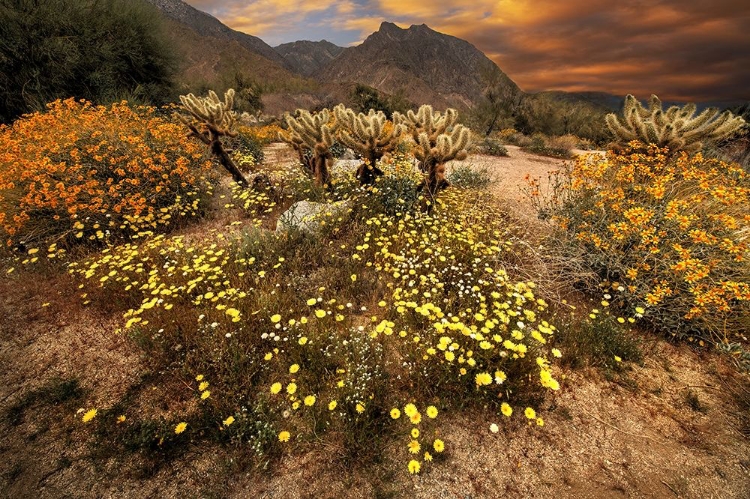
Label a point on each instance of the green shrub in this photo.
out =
(470, 178)
(545, 146)
(96, 50)
(669, 234)
(491, 147)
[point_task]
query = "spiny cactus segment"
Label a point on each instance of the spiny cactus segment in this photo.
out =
(438, 139)
(310, 134)
(371, 135)
(209, 119)
(677, 128)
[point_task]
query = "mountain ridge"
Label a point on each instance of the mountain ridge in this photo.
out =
(307, 57)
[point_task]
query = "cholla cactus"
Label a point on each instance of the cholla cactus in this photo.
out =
(209, 119)
(371, 135)
(310, 135)
(676, 128)
(438, 139)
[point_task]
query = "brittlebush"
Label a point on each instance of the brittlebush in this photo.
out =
(670, 233)
(80, 172)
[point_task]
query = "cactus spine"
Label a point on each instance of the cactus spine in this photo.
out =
(438, 139)
(371, 135)
(209, 119)
(676, 128)
(311, 136)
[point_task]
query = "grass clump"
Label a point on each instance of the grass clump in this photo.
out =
(470, 178)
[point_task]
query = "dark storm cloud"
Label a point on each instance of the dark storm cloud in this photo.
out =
(680, 50)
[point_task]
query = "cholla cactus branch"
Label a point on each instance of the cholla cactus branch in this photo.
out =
(310, 135)
(371, 135)
(439, 140)
(209, 119)
(676, 128)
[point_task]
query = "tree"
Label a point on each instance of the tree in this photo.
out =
(99, 50)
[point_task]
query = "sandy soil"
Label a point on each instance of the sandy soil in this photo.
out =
(632, 436)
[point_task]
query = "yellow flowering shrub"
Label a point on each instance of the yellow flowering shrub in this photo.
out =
(80, 172)
(389, 306)
(670, 234)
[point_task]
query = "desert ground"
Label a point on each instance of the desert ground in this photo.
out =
(675, 426)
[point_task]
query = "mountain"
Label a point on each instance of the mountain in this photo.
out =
(207, 25)
(423, 65)
(213, 56)
(306, 57)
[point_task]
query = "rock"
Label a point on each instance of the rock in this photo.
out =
(348, 154)
(345, 165)
(306, 215)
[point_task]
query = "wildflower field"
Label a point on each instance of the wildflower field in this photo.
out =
(407, 342)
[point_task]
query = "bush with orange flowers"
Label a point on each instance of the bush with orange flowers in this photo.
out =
(671, 234)
(80, 172)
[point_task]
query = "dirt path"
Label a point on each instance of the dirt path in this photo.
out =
(669, 428)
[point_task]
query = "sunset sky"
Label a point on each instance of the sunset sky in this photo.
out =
(679, 49)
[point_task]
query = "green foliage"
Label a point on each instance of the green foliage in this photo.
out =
(553, 115)
(555, 147)
(96, 50)
(248, 92)
(678, 129)
(364, 98)
(491, 147)
(247, 151)
(494, 111)
(598, 340)
(470, 178)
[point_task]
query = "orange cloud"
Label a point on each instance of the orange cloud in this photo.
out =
(679, 49)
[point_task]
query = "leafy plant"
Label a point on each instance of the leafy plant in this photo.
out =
(101, 51)
(670, 231)
(82, 173)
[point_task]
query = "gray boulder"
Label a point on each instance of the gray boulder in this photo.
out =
(307, 215)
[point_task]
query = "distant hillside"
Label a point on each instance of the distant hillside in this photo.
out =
(426, 66)
(305, 57)
(207, 25)
(214, 56)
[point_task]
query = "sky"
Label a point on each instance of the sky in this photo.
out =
(687, 50)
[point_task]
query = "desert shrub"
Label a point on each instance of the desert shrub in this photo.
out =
(395, 192)
(491, 147)
(96, 50)
(247, 150)
(388, 311)
(84, 173)
(263, 135)
(556, 147)
(672, 233)
(470, 178)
